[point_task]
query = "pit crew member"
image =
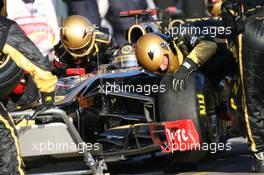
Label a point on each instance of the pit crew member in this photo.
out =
(26, 55)
(245, 17)
(81, 45)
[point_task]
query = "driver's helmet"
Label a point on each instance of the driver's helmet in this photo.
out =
(126, 57)
(78, 36)
(151, 49)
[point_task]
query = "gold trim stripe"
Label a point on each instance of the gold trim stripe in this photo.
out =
(7, 125)
(253, 145)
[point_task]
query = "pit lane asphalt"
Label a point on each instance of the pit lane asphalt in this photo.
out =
(237, 161)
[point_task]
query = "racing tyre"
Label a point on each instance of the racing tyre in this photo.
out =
(197, 103)
(10, 75)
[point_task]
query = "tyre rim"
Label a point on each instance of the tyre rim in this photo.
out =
(3, 60)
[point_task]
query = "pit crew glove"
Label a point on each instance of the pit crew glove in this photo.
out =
(47, 99)
(180, 78)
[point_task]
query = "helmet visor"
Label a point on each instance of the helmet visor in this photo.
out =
(81, 50)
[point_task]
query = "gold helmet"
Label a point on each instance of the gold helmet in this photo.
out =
(77, 35)
(3, 8)
(150, 51)
(215, 7)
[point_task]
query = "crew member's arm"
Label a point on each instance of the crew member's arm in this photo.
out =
(200, 51)
(27, 56)
(201, 47)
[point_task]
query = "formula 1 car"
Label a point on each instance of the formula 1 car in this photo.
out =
(119, 113)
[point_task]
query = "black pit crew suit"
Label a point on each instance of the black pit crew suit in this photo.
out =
(248, 38)
(250, 46)
(25, 54)
(104, 49)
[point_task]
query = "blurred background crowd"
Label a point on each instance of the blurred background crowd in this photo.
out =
(41, 19)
